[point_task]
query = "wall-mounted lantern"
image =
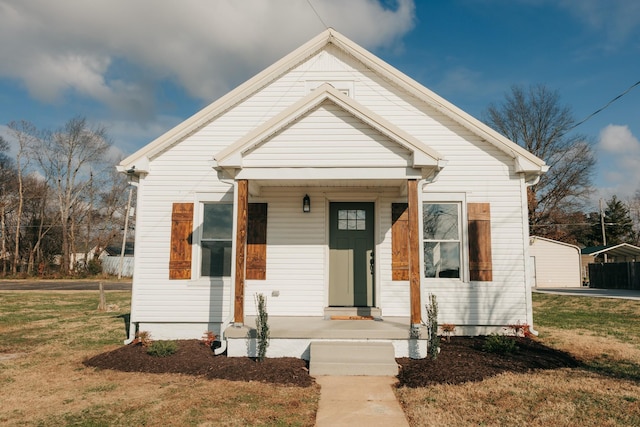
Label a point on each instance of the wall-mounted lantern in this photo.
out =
(306, 204)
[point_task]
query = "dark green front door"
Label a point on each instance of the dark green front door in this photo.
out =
(351, 257)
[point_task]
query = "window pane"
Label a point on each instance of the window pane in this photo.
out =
(440, 221)
(216, 258)
(442, 259)
(217, 222)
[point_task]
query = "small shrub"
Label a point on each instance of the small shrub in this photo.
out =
(143, 338)
(94, 267)
(520, 330)
(208, 338)
(433, 341)
(448, 329)
(162, 348)
(499, 344)
(262, 326)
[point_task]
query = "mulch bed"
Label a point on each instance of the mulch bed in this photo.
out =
(461, 359)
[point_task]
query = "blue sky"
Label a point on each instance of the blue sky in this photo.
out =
(141, 67)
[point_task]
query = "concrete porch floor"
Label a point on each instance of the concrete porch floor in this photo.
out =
(389, 328)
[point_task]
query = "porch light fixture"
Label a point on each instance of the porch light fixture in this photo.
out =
(306, 204)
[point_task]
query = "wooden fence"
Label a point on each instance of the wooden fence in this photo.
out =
(615, 275)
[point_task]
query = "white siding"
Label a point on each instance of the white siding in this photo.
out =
(557, 264)
(297, 243)
(328, 137)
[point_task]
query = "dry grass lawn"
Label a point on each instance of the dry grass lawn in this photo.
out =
(44, 337)
(604, 334)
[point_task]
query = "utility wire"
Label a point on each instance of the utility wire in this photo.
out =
(317, 14)
(605, 106)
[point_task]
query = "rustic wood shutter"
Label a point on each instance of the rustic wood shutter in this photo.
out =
(399, 241)
(181, 240)
(480, 264)
(257, 241)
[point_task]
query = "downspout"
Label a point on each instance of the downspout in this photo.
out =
(232, 291)
(527, 260)
(133, 326)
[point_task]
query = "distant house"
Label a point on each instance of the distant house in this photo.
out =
(554, 264)
(339, 188)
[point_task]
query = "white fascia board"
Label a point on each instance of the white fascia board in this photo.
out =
(423, 156)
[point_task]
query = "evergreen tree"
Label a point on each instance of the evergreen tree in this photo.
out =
(618, 224)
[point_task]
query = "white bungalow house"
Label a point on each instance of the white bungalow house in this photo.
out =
(340, 189)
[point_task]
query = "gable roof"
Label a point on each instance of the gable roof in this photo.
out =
(525, 161)
(422, 155)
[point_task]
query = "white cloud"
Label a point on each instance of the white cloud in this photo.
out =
(617, 19)
(113, 50)
(619, 159)
(619, 139)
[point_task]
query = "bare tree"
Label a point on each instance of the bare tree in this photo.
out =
(65, 157)
(40, 221)
(535, 120)
(7, 180)
(26, 136)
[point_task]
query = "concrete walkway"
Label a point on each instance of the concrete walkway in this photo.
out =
(592, 292)
(358, 401)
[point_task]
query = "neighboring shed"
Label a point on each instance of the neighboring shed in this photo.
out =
(554, 264)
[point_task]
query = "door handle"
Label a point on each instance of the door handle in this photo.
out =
(372, 262)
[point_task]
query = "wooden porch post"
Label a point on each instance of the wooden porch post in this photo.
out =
(414, 251)
(241, 245)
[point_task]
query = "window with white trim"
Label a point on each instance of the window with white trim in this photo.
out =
(442, 228)
(216, 239)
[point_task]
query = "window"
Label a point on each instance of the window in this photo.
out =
(216, 240)
(441, 237)
(351, 219)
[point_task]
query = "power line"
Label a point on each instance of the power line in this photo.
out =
(317, 14)
(605, 106)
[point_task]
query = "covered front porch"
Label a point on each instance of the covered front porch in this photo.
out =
(292, 336)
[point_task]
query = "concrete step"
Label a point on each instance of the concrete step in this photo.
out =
(352, 358)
